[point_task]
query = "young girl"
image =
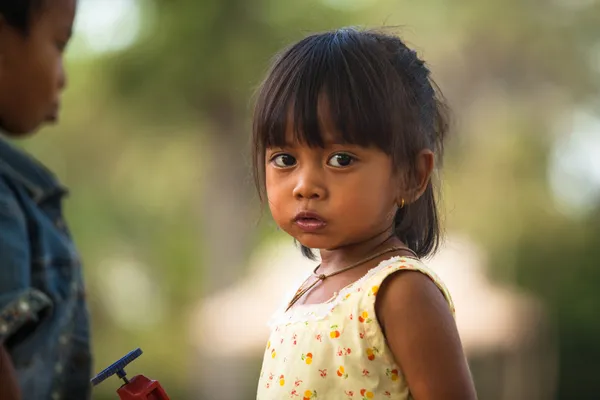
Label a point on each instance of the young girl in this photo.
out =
(347, 129)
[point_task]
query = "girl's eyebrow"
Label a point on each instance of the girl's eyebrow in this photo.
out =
(340, 142)
(329, 140)
(327, 143)
(286, 144)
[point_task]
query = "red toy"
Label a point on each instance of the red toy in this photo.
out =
(138, 388)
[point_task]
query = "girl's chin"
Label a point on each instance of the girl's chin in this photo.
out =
(315, 242)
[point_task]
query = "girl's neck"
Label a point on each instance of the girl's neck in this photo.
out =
(335, 259)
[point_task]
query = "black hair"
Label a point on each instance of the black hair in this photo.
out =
(19, 13)
(379, 94)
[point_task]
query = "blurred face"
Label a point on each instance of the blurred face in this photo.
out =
(31, 68)
(330, 197)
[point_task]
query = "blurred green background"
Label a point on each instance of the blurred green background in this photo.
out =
(153, 145)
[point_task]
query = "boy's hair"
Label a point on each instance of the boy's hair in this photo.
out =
(379, 94)
(18, 13)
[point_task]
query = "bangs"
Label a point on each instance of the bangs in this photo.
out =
(333, 85)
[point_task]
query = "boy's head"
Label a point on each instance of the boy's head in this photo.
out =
(33, 36)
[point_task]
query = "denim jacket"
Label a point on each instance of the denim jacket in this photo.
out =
(44, 322)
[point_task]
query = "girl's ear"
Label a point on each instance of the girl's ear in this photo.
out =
(412, 189)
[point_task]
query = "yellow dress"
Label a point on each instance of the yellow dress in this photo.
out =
(336, 350)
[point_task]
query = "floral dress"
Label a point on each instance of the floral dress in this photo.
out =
(337, 350)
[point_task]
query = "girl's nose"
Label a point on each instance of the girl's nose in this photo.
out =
(310, 186)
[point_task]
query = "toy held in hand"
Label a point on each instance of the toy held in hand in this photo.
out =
(138, 388)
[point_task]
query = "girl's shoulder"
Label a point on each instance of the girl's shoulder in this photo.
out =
(372, 281)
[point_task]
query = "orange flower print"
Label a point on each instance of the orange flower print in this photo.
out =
(294, 393)
(307, 358)
(365, 372)
(341, 372)
(319, 337)
(323, 373)
(361, 335)
(310, 394)
(371, 353)
(346, 296)
(281, 380)
(364, 317)
(351, 316)
(335, 333)
(392, 374)
(373, 291)
(349, 393)
(366, 394)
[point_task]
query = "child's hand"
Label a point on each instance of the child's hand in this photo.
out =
(9, 388)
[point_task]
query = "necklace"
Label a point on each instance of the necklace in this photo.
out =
(321, 277)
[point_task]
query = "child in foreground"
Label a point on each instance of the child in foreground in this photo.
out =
(44, 323)
(348, 127)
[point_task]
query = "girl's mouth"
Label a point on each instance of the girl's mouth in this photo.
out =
(309, 221)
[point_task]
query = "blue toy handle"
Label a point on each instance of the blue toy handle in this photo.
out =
(117, 368)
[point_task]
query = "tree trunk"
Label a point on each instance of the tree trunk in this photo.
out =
(228, 206)
(227, 214)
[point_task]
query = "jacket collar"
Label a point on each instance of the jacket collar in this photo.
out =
(20, 166)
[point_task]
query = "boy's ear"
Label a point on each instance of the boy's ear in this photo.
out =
(413, 189)
(3, 32)
(7, 37)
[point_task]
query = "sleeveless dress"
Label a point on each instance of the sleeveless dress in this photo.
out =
(337, 350)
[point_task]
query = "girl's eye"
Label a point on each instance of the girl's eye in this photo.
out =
(283, 161)
(341, 160)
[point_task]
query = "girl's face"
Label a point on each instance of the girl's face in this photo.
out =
(330, 197)
(31, 67)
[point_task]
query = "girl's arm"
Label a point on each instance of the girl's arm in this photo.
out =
(423, 337)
